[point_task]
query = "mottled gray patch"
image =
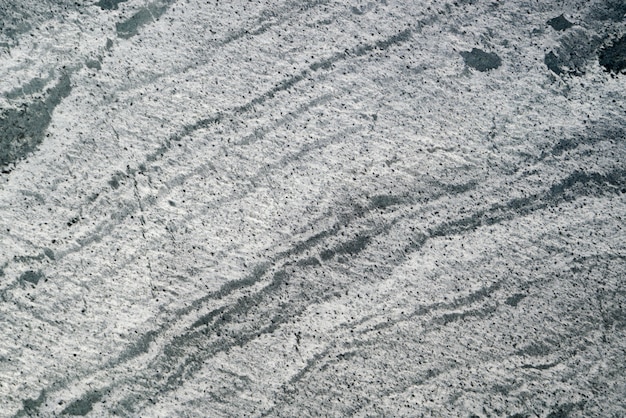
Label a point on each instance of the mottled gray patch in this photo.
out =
(130, 27)
(481, 60)
(553, 63)
(116, 180)
(30, 407)
(109, 4)
(613, 309)
(142, 345)
(448, 318)
(27, 258)
(564, 411)
(575, 50)
(578, 183)
(13, 26)
(560, 23)
(539, 366)
(398, 38)
(613, 57)
(311, 261)
(84, 405)
(35, 85)
(384, 201)
(22, 130)
(352, 247)
(357, 10)
(585, 184)
(31, 276)
(614, 10)
(172, 372)
(596, 133)
(283, 86)
(534, 350)
(109, 44)
(49, 253)
(208, 318)
(514, 299)
(459, 188)
(93, 64)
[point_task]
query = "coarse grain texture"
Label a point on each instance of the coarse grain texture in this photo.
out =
(312, 208)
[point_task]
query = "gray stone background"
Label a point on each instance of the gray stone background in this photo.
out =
(312, 208)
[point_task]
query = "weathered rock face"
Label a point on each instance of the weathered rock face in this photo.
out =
(312, 208)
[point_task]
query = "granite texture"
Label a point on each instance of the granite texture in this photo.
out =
(312, 208)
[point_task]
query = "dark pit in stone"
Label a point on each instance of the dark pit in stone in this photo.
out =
(481, 60)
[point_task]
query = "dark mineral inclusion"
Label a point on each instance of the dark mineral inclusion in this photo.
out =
(613, 57)
(481, 60)
(23, 129)
(560, 23)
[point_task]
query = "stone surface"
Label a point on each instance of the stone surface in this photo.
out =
(312, 208)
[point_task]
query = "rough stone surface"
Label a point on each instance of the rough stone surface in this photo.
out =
(312, 208)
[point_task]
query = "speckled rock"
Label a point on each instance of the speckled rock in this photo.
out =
(312, 208)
